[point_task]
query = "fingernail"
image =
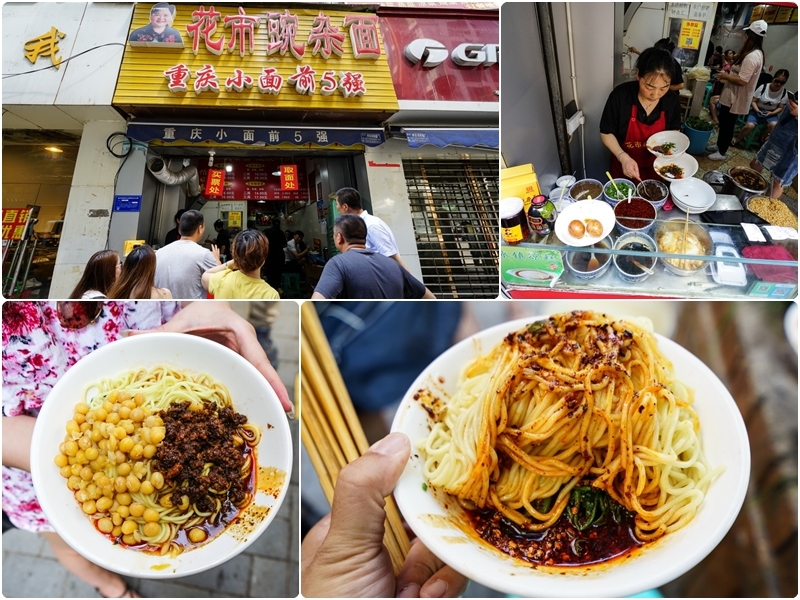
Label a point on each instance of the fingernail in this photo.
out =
(410, 591)
(390, 445)
(125, 333)
(291, 414)
(437, 589)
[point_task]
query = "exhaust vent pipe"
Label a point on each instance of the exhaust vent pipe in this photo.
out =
(187, 175)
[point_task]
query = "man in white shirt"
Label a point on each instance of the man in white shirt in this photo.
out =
(181, 264)
(379, 237)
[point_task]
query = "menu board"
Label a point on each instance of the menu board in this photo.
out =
(253, 179)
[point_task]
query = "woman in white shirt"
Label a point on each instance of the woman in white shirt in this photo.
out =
(740, 84)
(768, 102)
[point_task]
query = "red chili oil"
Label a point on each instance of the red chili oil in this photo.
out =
(561, 545)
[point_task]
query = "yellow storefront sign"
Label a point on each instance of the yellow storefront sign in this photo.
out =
(257, 56)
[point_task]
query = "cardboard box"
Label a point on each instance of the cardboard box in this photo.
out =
(530, 267)
(516, 171)
(522, 186)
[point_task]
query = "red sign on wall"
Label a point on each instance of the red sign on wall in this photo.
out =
(215, 182)
(289, 180)
(450, 59)
(14, 222)
(258, 179)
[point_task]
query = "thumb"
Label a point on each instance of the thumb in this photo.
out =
(358, 504)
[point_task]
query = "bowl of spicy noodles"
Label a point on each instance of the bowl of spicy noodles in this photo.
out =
(161, 455)
(540, 491)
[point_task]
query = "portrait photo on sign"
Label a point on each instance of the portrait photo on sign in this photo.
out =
(159, 31)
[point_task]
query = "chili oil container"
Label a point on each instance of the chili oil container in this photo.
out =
(513, 223)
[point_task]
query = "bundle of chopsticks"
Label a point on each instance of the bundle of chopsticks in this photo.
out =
(331, 431)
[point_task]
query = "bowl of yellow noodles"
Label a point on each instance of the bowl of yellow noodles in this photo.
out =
(571, 455)
(161, 455)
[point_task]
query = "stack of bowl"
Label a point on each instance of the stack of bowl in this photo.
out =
(692, 195)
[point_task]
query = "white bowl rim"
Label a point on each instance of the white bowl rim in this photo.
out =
(520, 582)
(41, 457)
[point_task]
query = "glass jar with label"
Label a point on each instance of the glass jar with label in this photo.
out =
(541, 215)
(513, 221)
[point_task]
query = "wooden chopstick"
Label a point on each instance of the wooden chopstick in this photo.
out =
(332, 433)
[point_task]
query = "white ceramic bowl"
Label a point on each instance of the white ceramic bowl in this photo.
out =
(583, 211)
(692, 193)
(685, 161)
(434, 517)
(251, 395)
(680, 140)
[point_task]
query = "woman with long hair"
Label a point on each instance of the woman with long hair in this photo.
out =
(101, 270)
(740, 84)
(241, 277)
(635, 110)
(137, 280)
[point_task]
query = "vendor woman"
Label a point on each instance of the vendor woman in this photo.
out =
(636, 110)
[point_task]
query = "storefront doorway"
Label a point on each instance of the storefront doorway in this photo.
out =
(37, 172)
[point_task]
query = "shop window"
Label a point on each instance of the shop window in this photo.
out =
(454, 211)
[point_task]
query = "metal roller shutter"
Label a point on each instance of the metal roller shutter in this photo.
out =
(454, 205)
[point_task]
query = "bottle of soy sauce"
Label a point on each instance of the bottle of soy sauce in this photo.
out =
(541, 215)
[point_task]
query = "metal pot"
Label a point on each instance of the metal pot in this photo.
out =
(742, 192)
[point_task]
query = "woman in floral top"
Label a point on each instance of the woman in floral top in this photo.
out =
(40, 344)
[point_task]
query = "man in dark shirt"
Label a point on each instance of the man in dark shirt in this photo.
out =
(358, 273)
(223, 240)
(173, 234)
(275, 257)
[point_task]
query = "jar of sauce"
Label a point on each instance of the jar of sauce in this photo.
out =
(542, 215)
(513, 223)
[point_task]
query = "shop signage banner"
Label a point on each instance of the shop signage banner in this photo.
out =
(215, 181)
(255, 135)
(14, 222)
(255, 179)
(254, 56)
(432, 60)
(289, 180)
(486, 137)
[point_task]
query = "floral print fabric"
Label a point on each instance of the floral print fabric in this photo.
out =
(37, 350)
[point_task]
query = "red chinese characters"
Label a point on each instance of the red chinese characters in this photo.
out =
(177, 76)
(363, 35)
(203, 26)
(239, 81)
(242, 28)
(303, 80)
(282, 31)
(270, 81)
(352, 84)
(206, 80)
(325, 37)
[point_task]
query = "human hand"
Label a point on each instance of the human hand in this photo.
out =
(215, 252)
(792, 107)
(216, 321)
(343, 555)
(629, 167)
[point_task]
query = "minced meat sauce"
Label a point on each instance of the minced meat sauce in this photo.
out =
(194, 439)
(559, 545)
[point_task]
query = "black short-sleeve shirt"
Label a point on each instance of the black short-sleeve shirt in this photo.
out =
(618, 110)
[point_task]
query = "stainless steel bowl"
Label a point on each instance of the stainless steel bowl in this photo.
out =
(696, 229)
